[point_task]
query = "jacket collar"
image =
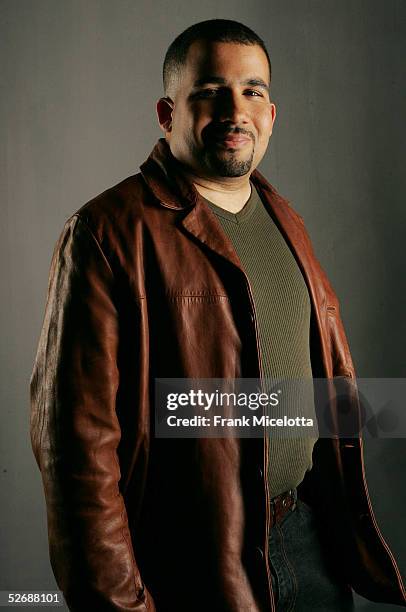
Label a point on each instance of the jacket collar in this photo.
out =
(163, 175)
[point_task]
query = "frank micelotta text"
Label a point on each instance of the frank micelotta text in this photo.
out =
(242, 421)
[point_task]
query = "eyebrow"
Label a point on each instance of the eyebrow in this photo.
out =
(253, 82)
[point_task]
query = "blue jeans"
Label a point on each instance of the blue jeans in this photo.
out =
(303, 575)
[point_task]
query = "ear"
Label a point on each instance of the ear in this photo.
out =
(273, 115)
(164, 108)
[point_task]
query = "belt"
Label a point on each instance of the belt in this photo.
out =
(281, 504)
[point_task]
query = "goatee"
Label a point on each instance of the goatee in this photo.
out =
(229, 166)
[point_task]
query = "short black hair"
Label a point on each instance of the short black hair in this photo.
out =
(212, 30)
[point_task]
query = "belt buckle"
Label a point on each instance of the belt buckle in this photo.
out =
(293, 493)
(285, 499)
(290, 496)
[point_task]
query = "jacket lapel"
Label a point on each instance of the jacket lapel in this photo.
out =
(162, 174)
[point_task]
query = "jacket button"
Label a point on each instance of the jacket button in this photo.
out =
(261, 472)
(252, 317)
(259, 553)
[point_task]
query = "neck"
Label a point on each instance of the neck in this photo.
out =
(225, 193)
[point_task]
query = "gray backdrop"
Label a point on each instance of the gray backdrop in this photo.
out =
(79, 83)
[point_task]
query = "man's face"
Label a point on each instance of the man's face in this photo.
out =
(219, 117)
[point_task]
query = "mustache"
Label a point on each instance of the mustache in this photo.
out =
(214, 132)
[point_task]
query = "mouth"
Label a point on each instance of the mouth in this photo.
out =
(232, 141)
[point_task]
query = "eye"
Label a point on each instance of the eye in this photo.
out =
(206, 93)
(254, 93)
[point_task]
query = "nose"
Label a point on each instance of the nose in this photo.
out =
(232, 107)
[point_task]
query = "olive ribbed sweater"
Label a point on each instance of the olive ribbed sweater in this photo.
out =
(282, 306)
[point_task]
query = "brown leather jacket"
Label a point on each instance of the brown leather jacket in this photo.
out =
(145, 284)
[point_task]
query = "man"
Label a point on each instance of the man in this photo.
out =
(197, 268)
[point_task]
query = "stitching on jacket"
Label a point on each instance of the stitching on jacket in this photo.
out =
(194, 293)
(198, 299)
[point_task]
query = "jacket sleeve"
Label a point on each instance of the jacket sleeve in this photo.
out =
(75, 431)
